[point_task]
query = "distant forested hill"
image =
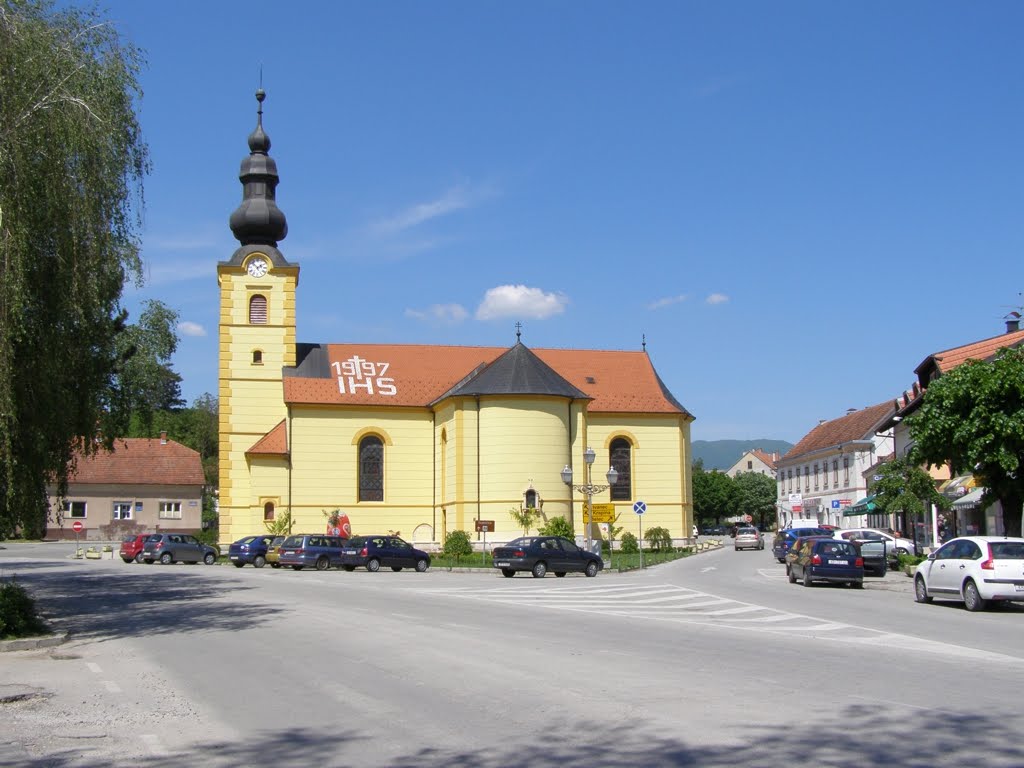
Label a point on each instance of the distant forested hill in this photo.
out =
(722, 454)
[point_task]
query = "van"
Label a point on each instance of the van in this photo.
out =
(315, 549)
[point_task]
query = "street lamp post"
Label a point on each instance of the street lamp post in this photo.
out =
(589, 488)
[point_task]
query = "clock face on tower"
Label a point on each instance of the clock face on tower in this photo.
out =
(257, 267)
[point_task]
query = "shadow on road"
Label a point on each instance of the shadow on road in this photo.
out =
(850, 738)
(179, 599)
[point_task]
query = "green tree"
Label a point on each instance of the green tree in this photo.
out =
(457, 545)
(756, 495)
(525, 517)
(557, 526)
(72, 162)
(905, 490)
(714, 494)
(146, 380)
(973, 419)
(658, 539)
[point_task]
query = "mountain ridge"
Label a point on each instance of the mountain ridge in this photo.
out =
(722, 454)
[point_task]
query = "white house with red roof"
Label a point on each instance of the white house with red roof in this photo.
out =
(142, 485)
(757, 461)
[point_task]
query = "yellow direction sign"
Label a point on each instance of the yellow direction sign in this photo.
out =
(603, 513)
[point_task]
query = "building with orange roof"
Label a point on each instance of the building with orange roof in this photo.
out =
(822, 476)
(421, 439)
(142, 485)
(755, 460)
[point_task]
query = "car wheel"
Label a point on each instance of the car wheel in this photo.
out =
(373, 564)
(901, 551)
(508, 573)
(539, 569)
(421, 566)
(920, 590)
(591, 571)
(209, 558)
(349, 568)
(259, 561)
(127, 559)
(138, 558)
(238, 565)
(166, 558)
(792, 576)
(323, 563)
(807, 578)
(972, 598)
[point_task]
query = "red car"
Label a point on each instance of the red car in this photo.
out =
(131, 547)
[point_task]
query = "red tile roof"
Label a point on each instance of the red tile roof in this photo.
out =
(141, 461)
(767, 458)
(417, 375)
(858, 425)
(949, 359)
(274, 443)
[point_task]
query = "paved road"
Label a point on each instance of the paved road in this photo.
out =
(702, 662)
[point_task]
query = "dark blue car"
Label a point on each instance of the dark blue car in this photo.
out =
(372, 552)
(815, 558)
(251, 549)
(784, 539)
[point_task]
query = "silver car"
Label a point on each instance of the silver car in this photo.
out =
(177, 548)
(748, 537)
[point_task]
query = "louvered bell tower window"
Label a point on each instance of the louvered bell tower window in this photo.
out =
(258, 310)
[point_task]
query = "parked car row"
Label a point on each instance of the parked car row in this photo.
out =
(166, 548)
(319, 551)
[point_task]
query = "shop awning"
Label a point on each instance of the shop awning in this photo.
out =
(957, 487)
(862, 507)
(970, 501)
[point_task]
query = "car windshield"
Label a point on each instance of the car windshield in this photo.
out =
(1007, 550)
(356, 541)
(746, 532)
(154, 537)
(249, 540)
(293, 541)
(522, 541)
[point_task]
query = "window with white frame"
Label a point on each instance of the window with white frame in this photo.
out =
(815, 477)
(122, 510)
(846, 470)
(807, 478)
(835, 472)
(74, 509)
(170, 510)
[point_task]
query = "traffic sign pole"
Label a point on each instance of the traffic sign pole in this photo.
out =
(640, 507)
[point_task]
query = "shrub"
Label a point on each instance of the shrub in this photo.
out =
(280, 525)
(525, 517)
(557, 526)
(905, 560)
(658, 539)
(18, 616)
(457, 544)
(629, 546)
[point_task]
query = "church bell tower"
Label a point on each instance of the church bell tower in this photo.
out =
(257, 333)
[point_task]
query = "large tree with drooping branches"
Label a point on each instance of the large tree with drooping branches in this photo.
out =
(72, 160)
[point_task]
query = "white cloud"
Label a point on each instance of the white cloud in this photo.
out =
(455, 199)
(716, 298)
(519, 301)
(441, 314)
(668, 301)
(188, 328)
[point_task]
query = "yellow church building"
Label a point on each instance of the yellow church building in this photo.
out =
(421, 439)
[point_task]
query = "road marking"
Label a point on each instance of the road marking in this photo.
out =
(112, 686)
(681, 605)
(710, 568)
(153, 744)
(93, 667)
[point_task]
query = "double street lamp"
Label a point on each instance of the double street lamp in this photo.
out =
(589, 489)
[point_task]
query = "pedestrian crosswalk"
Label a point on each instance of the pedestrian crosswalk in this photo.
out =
(673, 603)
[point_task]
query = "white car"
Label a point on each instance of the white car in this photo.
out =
(974, 569)
(748, 537)
(894, 545)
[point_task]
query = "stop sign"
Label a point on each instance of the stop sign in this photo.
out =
(77, 526)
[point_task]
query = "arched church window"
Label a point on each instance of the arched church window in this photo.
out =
(268, 511)
(258, 310)
(371, 469)
(257, 357)
(620, 456)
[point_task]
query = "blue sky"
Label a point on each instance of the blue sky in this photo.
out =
(795, 202)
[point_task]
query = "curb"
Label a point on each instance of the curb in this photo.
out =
(34, 643)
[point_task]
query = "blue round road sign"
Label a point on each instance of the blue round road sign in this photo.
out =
(639, 507)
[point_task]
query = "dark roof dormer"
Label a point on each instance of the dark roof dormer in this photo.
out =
(518, 372)
(258, 220)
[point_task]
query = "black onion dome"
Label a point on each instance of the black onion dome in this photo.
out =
(258, 220)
